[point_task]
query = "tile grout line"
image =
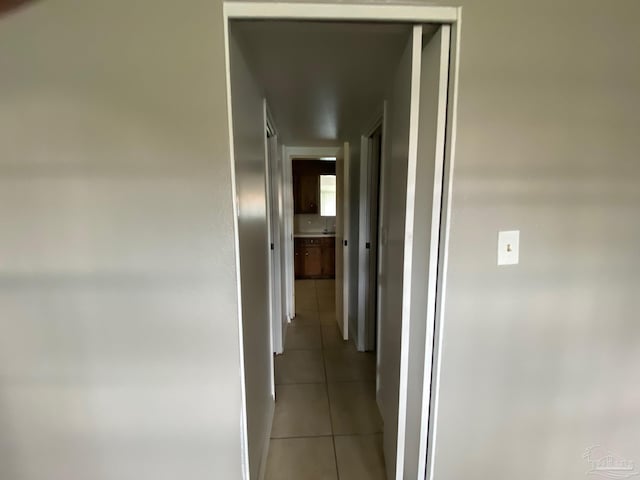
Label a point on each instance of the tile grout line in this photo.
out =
(323, 382)
(326, 348)
(323, 351)
(296, 437)
(326, 384)
(326, 435)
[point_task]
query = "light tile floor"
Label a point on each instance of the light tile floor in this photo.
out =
(326, 424)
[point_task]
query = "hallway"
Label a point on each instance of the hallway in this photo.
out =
(326, 424)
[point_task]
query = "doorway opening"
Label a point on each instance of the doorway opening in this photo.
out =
(311, 82)
(370, 190)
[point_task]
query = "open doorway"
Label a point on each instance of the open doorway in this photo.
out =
(314, 209)
(369, 226)
(323, 87)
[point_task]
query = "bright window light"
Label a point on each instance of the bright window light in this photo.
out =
(328, 195)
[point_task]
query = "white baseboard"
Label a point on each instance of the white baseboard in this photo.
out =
(265, 448)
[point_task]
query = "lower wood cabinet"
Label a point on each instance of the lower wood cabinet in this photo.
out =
(315, 257)
(312, 261)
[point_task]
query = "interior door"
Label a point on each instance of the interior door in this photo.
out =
(413, 138)
(288, 240)
(275, 262)
(369, 227)
(274, 214)
(283, 246)
(342, 241)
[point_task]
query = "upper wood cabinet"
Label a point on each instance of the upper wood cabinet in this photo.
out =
(306, 184)
(307, 199)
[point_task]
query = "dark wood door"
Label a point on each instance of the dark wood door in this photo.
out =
(306, 184)
(309, 193)
(312, 261)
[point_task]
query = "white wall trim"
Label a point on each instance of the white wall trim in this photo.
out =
(332, 11)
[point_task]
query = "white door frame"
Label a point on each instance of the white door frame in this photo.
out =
(341, 12)
(414, 14)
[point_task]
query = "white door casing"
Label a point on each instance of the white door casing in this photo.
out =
(342, 12)
(422, 237)
(287, 237)
(282, 247)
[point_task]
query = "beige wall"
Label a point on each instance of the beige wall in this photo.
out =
(540, 360)
(119, 354)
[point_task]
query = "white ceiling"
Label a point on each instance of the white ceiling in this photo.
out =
(323, 81)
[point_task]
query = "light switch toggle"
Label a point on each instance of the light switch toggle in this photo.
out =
(509, 247)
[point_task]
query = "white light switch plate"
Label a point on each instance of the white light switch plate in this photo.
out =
(509, 247)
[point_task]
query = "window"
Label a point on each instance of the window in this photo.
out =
(328, 195)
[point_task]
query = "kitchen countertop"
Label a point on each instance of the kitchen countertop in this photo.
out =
(314, 235)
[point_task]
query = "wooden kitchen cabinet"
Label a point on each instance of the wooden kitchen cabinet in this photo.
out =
(329, 258)
(306, 184)
(312, 261)
(308, 194)
(315, 257)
